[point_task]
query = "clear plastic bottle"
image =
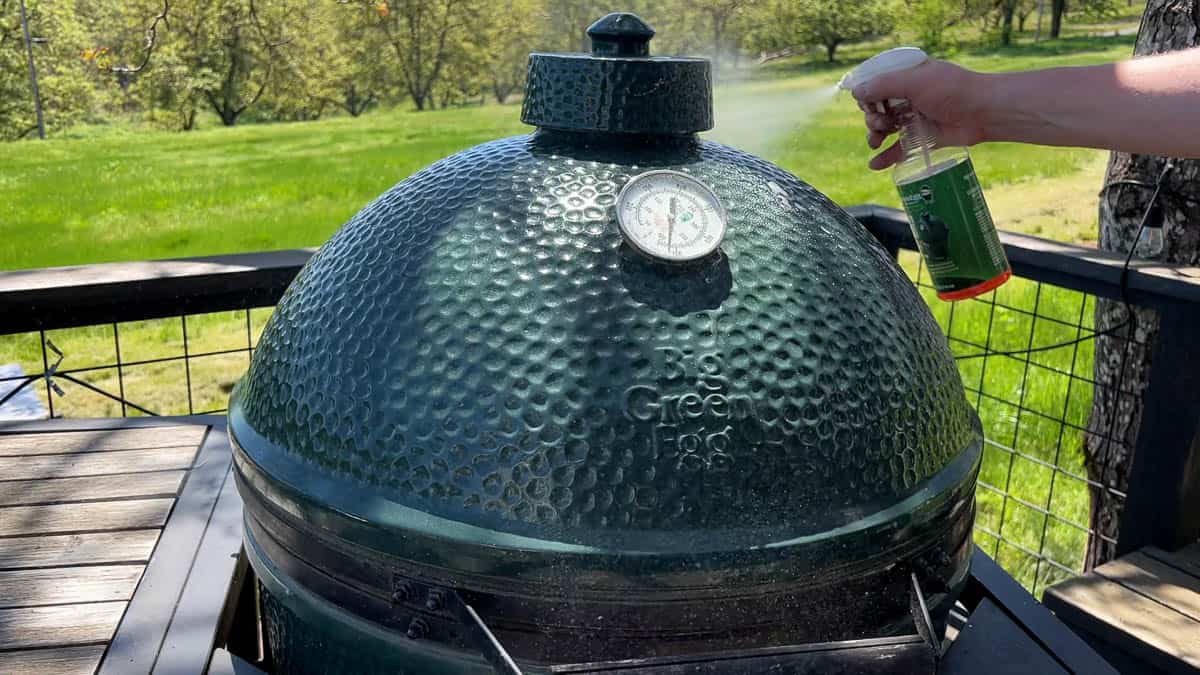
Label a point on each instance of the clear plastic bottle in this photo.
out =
(941, 194)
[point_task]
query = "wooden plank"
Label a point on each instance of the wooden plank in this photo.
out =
(137, 273)
(136, 645)
(85, 488)
(190, 638)
(134, 514)
(99, 440)
(992, 644)
(77, 549)
(96, 463)
(1130, 621)
(1186, 559)
(67, 585)
(1141, 573)
(54, 661)
(60, 625)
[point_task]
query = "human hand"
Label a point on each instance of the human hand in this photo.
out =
(948, 96)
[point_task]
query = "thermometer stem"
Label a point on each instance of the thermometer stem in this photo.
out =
(671, 224)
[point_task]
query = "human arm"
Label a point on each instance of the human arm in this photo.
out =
(1148, 105)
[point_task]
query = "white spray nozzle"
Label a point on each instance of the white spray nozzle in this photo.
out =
(890, 61)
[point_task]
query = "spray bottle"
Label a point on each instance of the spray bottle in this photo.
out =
(941, 194)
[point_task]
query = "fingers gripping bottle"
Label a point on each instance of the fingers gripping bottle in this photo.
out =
(941, 194)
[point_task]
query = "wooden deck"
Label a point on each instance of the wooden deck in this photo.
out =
(1142, 611)
(94, 523)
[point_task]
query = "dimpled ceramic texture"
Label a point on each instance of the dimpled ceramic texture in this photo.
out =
(478, 343)
(578, 92)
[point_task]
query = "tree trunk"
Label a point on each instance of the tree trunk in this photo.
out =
(189, 119)
(501, 90)
(1057, 9)
(831, 49)
(1167, 25)
(1007, 10)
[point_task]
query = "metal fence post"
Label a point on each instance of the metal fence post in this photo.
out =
(1163, 504)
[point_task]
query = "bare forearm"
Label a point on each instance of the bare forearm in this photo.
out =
(1147, 106)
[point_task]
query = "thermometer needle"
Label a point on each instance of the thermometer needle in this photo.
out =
(671, 224)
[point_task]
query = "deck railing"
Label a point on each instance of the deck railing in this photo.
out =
(170, 337)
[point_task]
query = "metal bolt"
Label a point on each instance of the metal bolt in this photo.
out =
(402, 592)
(435, 601)
(417, 630)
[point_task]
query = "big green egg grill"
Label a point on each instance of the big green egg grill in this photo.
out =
(599, 393)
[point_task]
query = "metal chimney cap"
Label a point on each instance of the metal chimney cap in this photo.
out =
(618, 87)
(620, 34)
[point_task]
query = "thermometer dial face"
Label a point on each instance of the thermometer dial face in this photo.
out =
(670, 216)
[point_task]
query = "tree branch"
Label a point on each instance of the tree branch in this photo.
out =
(261, 89)
(151, 42)
(212, 101)
(262, 32)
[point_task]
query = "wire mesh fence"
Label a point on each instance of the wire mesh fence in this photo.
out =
(1026, 355)
(1035, 486)
(181, 365)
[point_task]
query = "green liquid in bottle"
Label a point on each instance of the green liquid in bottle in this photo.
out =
(949, 216)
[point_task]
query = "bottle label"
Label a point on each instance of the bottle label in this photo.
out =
(953, 228)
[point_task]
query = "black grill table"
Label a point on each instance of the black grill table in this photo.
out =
(153, 499)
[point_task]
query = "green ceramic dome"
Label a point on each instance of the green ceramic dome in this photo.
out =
(477, 383)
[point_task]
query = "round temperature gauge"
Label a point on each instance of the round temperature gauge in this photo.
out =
(670, 216)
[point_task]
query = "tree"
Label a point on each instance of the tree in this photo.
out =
(932, 18)
(1167, 25)
(1025, 8)
(229, 59)
(508, 31)
(328, 54)
(568, 21)
(66, 93)
(1007, 9)
(360, 74)
(170, 85)
(772, 28)
(1057, 9)
(832, 24)
(1094, 9)
(720, 17)
(424, 34)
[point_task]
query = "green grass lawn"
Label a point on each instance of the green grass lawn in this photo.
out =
(105, 194)
(118, 193)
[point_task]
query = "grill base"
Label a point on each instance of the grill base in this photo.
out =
(309, 635)
(340, 590)
(316, 624)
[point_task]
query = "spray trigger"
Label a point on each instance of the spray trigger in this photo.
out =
(890, 61)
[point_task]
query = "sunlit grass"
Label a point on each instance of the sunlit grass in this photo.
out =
(116, 196)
